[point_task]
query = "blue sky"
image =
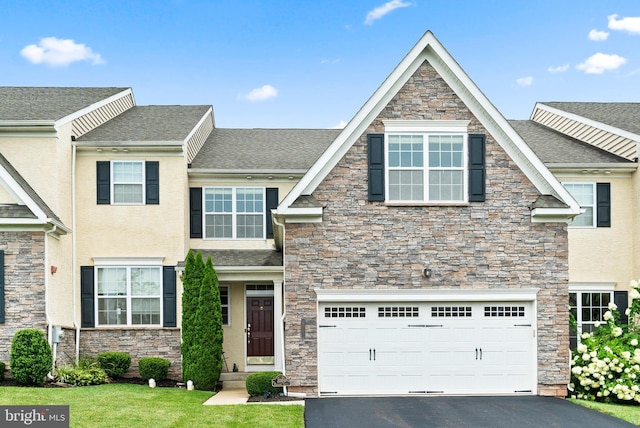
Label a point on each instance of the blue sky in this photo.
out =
(312, 64)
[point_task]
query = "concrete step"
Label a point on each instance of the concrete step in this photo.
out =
(234, 376)
(233, 384)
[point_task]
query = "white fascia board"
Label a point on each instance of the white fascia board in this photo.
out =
(586, 121)
(27, 128)
(428, 295)
(66, 119)
(128, 261)
(592, 286)
(208, 113)
(250, 273)
(301, 215)
(20, 196)
(552, 215)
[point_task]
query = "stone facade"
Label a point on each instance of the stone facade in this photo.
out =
(480, 245)
(138, 342)
(24, 286)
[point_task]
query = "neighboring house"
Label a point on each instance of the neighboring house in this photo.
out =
(426, 248)
(592, 148)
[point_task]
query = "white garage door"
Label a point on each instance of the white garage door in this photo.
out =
(426, 348)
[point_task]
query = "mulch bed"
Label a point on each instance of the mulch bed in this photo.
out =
(271, 399)
(167, 383)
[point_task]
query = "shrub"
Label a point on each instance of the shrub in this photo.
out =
(82, 376)
(260, 383)
(153, 368)
(2, 369)
(606, 364)
(115, 364)
(31, 357)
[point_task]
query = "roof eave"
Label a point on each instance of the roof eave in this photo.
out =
(553, 215)
(16, 128)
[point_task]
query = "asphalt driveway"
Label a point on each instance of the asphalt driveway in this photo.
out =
(459, 412)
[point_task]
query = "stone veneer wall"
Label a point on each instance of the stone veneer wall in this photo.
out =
(66, 349)
(138, 342)
(24, 294)
(368, 245)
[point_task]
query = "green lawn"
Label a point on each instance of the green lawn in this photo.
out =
(131, 406)
(627, 413)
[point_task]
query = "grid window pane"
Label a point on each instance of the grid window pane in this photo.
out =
(224, 301)
(112, 281)
(145, 282)
(145, 311)
(406, 151)
(232, 212)
(249, 226)
(584, 194)
(112, 311)
(587, 308)
(128, 180)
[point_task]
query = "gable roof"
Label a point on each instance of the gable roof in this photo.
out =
(556, 148)
(293, 150)
(30, 209)
(624, 116)
(48, 103)
(429, 49)
(147, 124)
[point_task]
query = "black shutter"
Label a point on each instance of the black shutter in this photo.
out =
(477, 174)
(169, 296)
(86, 297)
(103, 175)
(603, 202)
(152, 178)
(2, 313)
(195, 212)
(375, 147)
(272, 203)
(621, 299)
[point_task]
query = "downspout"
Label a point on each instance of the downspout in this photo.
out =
(74, 276)
(54, 346)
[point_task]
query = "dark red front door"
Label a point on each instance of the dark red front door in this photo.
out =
(260, 326)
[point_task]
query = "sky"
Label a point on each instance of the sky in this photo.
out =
(313, 64)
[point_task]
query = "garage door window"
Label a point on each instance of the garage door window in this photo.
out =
(451, 311)
(398, 312)
(344, 312)
(503, 311)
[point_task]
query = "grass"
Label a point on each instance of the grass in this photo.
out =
(627, 413)
(131, 406)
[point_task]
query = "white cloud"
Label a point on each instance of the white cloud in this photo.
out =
(558, 69)
(340, 125)
(525, 81)
(261, 94)
(599, 63)
(59, 52)
(386, 8)
(598, 35)
(628, 24)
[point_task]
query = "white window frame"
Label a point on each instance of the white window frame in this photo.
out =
(234, 213)
(579, 289)
(593, 205)
(113, 182)
(228, 305)
(102, 263)
(427, 128)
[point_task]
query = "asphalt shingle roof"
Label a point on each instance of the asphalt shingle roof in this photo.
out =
(554, 147)
(271, 149)
(625, 116)
(148, 123)
(242, 257)
(43, 103)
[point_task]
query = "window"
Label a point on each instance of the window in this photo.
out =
(587, 308)
(595, 199)
(127, 181)
(224, 300)
(234, 212)
(425, 167)
(129, 295)
(585, 195)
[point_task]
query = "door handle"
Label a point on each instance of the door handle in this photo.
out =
(248, 330)
(374, 354)
(369, 354)
(480, 353)
(476, 353)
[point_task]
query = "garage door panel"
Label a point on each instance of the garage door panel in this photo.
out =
(443, 347)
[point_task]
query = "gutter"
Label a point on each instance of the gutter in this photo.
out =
(74, 277)
(54, 346)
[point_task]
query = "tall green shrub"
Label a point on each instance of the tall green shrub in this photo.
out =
(115, 364)
(31, 357)
(208, 349)
(154, 368)
(191, 284)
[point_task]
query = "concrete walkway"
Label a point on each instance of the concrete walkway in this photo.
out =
(233, 396)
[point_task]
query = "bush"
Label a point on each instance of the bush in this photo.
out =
(153, 368)
(2, 369)
(31, 357)
(606, 364)
(260, 383)
(115, 364)
(82, 376)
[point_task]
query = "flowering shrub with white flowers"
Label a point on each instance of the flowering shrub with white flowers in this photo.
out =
(606, 364)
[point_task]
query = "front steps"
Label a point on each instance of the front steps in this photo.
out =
(233, 380)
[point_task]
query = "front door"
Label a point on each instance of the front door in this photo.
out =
(260, 330)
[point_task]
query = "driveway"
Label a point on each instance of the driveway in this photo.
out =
(459, 412)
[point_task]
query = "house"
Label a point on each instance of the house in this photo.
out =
(426, 248)
(592, 148)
